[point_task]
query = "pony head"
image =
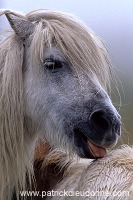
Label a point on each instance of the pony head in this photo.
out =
(64, 73)
(54, 74)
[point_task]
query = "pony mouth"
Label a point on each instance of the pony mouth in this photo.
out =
(86, 147)
(97, 151)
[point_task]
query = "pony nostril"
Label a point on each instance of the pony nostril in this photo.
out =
(99, 121)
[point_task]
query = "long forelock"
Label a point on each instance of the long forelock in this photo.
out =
(77, 42)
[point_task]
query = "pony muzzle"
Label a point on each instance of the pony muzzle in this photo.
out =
(102, 130)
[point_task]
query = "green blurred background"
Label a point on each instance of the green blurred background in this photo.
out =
(112, 20)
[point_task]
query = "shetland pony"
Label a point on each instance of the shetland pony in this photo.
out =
(54, 73)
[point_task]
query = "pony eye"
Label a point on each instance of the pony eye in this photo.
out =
(52, 65)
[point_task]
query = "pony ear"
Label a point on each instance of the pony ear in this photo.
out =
(21, 26)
